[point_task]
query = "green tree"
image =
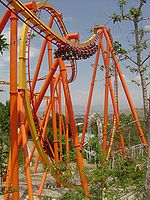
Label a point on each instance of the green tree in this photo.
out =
(138, 55)
(129, 129)
(4, 135)
(3, 44)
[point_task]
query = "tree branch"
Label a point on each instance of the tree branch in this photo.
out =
(126, 56)
(147, 84)
(145, 60)
(144, 19)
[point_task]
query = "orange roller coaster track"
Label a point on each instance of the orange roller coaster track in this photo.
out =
(25, 101)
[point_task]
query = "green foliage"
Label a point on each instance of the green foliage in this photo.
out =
(21, 159)
(79, 128)
(131, 13)
(125, 172)
(76, 194)
(106, 182)
(129, 130)
(3, 44)
(135, 82)
(118, 48)
(122, 3)
(4, 135)
(112, 183)
(135, 12)
(116, 18)
(93, 142)
(132, 69)
(127, 176)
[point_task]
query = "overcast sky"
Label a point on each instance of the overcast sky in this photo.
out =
(80, 16)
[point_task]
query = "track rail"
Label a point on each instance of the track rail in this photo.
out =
(49, 32)
(67, 47)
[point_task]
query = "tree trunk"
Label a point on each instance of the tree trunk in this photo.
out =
(140, 68)
(145, 99)
(146, 195)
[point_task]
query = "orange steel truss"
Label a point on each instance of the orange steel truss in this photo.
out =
(25, 102)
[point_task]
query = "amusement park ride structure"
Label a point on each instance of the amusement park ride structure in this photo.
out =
(62, 48)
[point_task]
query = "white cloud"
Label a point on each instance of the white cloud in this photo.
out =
(34, 52)
(147, 28)
(82, 92)
(6, 33)
(137, 78)
(68, 19)
(4, 60)
(127, 80)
